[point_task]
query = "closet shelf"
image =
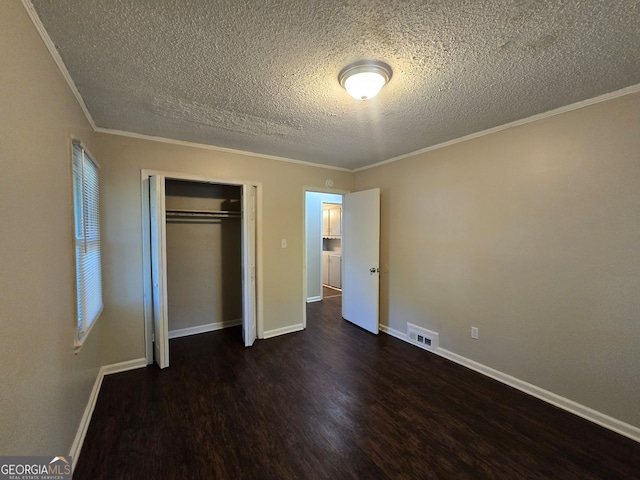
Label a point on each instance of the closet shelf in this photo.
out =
(176, 213)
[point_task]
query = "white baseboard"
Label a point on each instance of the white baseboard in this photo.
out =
(123, 366)
(209, 327)
(283, 331)
(587, 413)
(314, 299)
(324, 285)
(86, 418)
(76, 447)
(394, 333)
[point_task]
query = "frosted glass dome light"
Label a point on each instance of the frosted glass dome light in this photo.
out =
(364, 80)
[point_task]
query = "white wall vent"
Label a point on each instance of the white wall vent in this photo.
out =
(422, 337)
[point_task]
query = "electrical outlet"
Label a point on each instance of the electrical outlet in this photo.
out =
(474, 332)
(283, 243)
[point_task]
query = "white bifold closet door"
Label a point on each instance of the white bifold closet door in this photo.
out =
(248, 264)
(157, 216)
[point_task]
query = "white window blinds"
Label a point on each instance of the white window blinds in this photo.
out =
(87, 240)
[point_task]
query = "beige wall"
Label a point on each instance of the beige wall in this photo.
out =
(282, 209)
(204, 256)
(44, 387)
(532, 235)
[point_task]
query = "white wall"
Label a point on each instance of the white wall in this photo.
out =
(313, 227)
(44, 387)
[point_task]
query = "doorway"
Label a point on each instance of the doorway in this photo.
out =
(359, 254)
(178, 211)
(319, 244)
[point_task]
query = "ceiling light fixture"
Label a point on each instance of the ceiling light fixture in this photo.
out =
(363, 80)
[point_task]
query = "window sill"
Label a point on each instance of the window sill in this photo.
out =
(79, 343)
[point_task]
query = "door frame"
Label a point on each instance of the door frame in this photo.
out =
(305, 190)
(146, 247)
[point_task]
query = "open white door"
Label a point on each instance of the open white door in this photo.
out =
(159, 270)
(360, 258)
(248, 264)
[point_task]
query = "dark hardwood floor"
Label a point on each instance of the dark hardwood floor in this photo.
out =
(333, 402)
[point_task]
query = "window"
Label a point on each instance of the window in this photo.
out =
(87, 240)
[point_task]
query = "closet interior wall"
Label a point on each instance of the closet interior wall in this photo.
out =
(204, 255)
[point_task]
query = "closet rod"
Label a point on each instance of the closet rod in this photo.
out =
(203, 213)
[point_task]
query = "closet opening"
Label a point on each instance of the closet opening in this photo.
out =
(204, 257)
(199, 259)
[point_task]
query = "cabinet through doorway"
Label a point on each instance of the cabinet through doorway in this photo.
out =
(332, 245)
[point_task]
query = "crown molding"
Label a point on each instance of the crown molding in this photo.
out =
(31, 11)
(28, 6)
(142, 136)
(517, 123)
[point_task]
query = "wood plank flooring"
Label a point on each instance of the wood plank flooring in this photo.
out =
(333, 402)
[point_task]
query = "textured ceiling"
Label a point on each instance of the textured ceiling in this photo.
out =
(261, 76)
